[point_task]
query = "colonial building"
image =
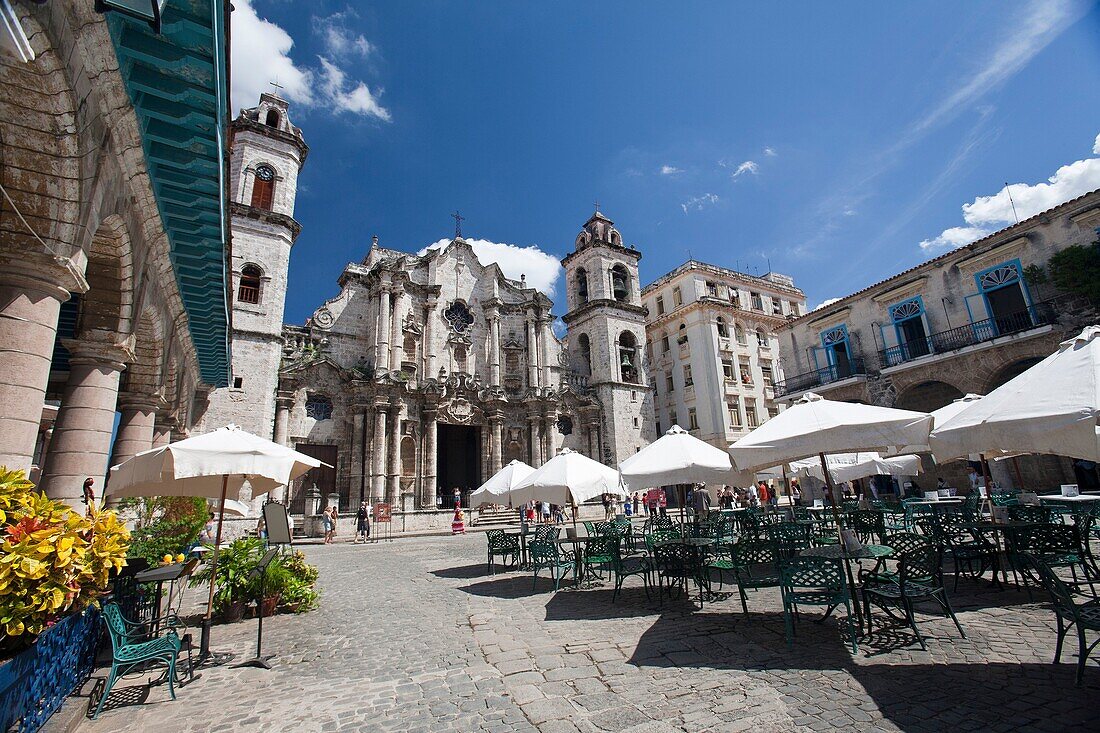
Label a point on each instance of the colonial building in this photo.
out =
(710, 337)
(966, 321)
(426, 372)
(112, 247)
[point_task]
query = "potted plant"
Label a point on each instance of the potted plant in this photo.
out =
(233, 586)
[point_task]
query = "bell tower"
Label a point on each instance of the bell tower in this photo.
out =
(606, 336)
(266, 154)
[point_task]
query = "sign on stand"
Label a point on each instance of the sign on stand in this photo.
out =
(383, 522)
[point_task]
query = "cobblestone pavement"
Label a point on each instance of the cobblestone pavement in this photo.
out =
(415, 636)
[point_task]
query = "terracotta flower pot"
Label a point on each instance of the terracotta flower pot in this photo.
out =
(267, 605)
(233, 612)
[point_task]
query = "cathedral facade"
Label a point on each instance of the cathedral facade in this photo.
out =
(426, 372)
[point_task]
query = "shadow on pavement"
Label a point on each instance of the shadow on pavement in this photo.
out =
(466, 572)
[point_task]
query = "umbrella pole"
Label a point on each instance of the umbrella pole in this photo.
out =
(204, 644)
(1019, 475)
(840, 536)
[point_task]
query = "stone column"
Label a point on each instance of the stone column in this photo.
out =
(496, 425)
(548, 437)
(545, 336)
(393, 472)
(358, 487)
(31, 294)
(494, 346)
(427, 346)
(532, 352)
(428, 459)
(82, 432)
(535, 441)
(382, 357)
(397, 344)
(378, 446)
(136, 426)
(594, 440)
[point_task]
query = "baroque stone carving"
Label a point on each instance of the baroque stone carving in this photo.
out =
(323, 318)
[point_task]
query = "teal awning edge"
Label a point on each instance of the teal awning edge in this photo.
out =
(177, 85)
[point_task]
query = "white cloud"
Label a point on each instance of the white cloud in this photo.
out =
(827, 301)
(340, 41)
(749, 166)
(357, 99)
(541, 269)
(954, 238)
(986, 213)
(698, 203)
(770, 152)
(1096, 146)
(670, 170)
(261, 55)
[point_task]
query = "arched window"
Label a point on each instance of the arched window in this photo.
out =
(263, 187)
(682, 335)
(761, 337)
(272, 118)
(249, 289)
(319, 407)
(723, 329)
(739, 333)
(628, 357)
(582, 286)
(586, 353)
(620, 283)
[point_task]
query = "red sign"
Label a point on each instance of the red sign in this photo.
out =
(383, 513)
(656, 497)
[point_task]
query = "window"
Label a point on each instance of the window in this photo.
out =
(660, 305)
(740, 334)
(687, 376)
(794, 308)
(727, 369)
(633, 395)
(586, 354)
(319, 407)
(777, 307)
(664, 343)
(635, 422)
(238, 382)
(723, 329)
(677, 297)
(582, 286)
(657, 424)
(272, 118)
(734, 406)
(628, 357)
(773, 411)
(735, 297)
(248, 291)
(682, 338)
(620, 283)
(458, 316)
(460, 358)
(766, 373)
(761, 338)
(750, 413)
(712, 290)
(693, 419)
(670, 386)
(746, 371)
(672, 418)
(757, 301)
(263, 187)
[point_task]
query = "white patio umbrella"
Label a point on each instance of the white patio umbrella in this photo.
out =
(234, 508)
(677, 457)
(211, 465)
(568, 477)
(498, 488)
(852, 466)
(1053, 408)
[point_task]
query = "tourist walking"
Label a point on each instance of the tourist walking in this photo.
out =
(326, 525)
(700, 502)
(546, 512)
(362, 523)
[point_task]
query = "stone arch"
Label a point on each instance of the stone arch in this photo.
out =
(628, 356)
(585, 347)
(143, 375)
(927, 396)
(582, 286)
(619, 277)
(272, 119)
(513, 452)
(1010, 371)
(250, 284)
(108, 304)
(40, 159)
(408, 457)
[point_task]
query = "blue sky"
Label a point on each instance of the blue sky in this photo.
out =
(840, 141)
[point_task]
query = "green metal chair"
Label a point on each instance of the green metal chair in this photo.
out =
(598, 555)
(1032, 514)
(814, 581)
(1056, 546)
(1067, 612)
(545, 556)
(900, 543)
(623, 566)
(920, 577)
(673, 562)
(869, 525)
(132, 648)
(755, 566)
(790, 538)
(504, 545)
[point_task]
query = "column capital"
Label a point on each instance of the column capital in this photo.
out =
(55, 275)
(147, 402)
(284, 400)
(101, 347)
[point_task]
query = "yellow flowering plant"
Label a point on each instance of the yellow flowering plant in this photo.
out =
(53, 560)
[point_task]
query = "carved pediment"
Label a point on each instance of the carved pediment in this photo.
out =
(460, 411)
(512, 342)
(411, 324)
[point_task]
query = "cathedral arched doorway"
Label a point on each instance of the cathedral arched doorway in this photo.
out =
(458, 461)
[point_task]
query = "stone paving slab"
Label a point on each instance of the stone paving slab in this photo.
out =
(415, 636)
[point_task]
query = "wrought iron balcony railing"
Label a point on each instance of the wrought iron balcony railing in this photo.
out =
(818, 377)
(1040, 314)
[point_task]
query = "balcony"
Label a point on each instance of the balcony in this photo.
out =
(819, 377)
(577, 381)
(972, 334)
